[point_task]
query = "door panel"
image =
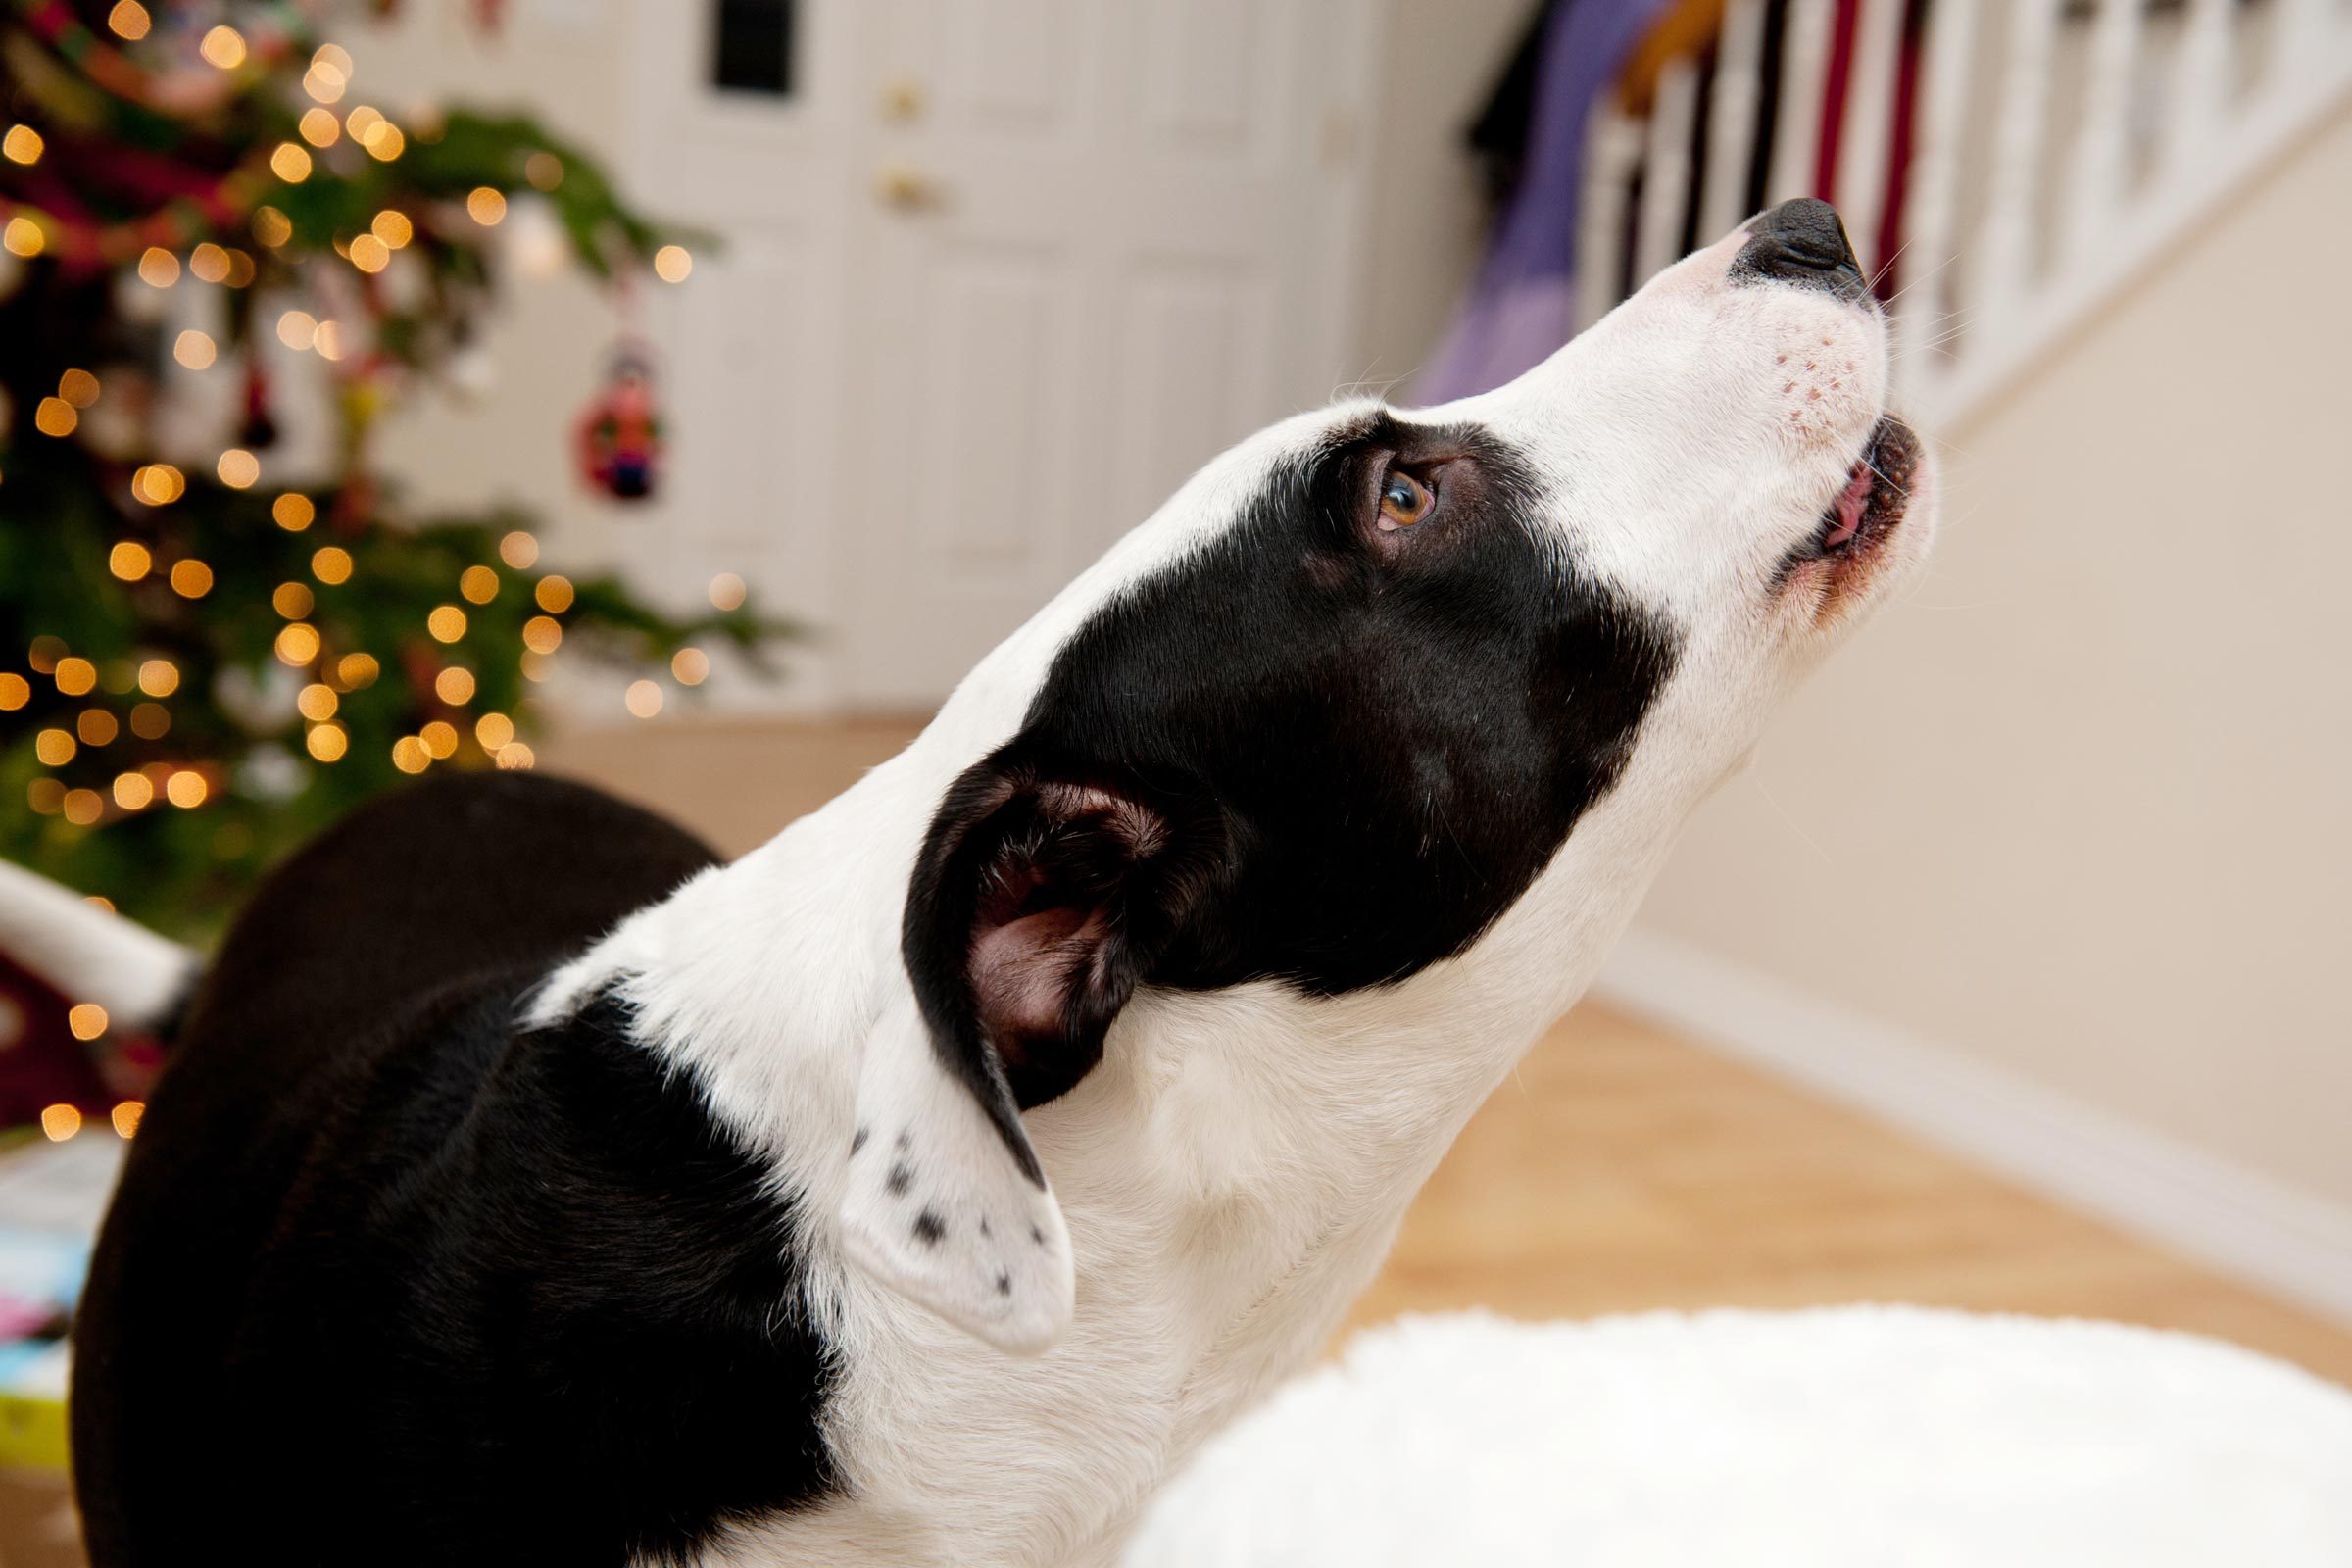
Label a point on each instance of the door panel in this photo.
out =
(1023, 265)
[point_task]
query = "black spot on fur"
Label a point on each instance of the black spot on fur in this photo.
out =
(856, 1141)
(897, 1180)
(929, 1228)
(1004, 1283)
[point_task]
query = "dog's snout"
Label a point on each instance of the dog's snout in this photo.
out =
(1802, 242)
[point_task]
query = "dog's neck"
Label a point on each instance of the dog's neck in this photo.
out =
(1232, 1172)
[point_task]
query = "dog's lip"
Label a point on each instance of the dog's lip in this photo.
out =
(1870, 504)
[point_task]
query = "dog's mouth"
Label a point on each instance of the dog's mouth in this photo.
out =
(1867, 508)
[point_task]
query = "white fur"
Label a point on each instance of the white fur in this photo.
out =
(1234, 1171)
(999, 1265)
(1840, 1437)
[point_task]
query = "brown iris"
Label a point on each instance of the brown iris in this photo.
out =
(1404, 499)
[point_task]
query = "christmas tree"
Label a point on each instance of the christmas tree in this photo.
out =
(215, 636)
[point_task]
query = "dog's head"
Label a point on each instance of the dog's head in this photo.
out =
(1328, 714)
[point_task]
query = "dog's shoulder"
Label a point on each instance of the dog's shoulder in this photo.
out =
(466, 874)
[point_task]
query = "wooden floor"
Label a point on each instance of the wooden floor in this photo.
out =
(1621, 1169)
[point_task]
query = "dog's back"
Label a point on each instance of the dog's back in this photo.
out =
(358, 962)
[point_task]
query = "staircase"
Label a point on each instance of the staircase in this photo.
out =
(2055, 148)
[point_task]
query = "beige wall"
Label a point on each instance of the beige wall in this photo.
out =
(2081, 808)
(1429, 216)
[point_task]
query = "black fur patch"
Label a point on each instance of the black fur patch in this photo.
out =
(1392, 729)
(390, 1280)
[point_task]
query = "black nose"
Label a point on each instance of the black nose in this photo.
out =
(1802, 242)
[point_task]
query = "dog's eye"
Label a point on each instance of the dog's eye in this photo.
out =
(1403, 501)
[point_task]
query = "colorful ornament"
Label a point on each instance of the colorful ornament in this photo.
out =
(620, 434)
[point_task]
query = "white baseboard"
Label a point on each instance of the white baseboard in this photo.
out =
(2240, 1223)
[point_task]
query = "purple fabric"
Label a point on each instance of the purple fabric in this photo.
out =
(1520, 305)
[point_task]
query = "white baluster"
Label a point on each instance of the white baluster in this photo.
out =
(1867, 141)
(1612, 147)
(1666, 171)
(2001, 263)
(1796, 124)
(1732, 123)
(2095, 193)
(1930, 212)
(2200, 97)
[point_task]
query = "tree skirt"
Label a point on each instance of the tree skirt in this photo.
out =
(1860, 1437)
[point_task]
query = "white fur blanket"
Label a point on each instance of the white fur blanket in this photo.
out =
(1858, 1437)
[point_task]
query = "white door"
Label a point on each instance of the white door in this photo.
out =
(998, 275)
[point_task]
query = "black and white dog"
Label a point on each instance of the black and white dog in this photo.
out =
(528, 1188)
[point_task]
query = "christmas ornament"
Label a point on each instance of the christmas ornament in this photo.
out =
(620, 434)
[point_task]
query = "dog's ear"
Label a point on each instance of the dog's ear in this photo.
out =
(1040, 898)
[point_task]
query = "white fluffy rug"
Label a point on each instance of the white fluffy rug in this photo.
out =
(1842, 1438)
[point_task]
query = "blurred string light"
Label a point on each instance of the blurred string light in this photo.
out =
(298, 330)
(210, 263)
(158, 484)
(519, 550)
(293, 512)
(393, 227)
(271, 227)
(238, 469)
(294, 601)
(14, 691)
(486, 205)
(727, 591)
(291, 162)
(129, 20)
(23, 237)
(674, 264)
(477, 584)
(297, 644)
(97, 728)
(454, 686)
(690, 665)
(157, 267)
(554, 594)
(194, 348)
(332, 565)
(545, 170)
(74, 676)
(328, 742)
(223, 47)
(130, 561)
(79, 387)
(127, 1116)
(320, 127)
(158, 677)
(61, 1121)
(446, 623)
(643, 699)
(21, 145)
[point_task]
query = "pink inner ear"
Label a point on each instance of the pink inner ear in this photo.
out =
(1022, 972)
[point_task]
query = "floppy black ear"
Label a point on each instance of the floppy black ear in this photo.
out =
(1041, 898)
